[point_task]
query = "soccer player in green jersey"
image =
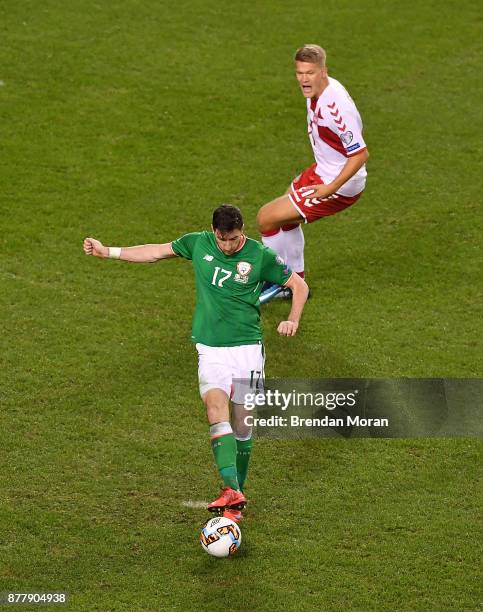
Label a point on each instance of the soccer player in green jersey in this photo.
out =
(230, 270)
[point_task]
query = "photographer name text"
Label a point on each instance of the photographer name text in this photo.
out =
(325, 421)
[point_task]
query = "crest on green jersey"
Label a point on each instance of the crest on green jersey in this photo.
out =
(243, 269)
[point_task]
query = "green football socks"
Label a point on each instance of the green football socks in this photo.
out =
(225, 452)
(243, 452)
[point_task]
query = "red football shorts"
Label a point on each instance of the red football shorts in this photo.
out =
(312, 209)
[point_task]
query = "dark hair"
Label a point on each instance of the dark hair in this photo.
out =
(227, 218)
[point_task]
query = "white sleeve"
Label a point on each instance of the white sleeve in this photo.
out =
(346, 122)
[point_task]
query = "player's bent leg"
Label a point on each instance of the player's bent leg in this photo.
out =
(271, 219)
(276, 213)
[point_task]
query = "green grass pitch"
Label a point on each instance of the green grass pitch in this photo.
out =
(130, 121)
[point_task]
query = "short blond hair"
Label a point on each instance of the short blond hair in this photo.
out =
(312, 54)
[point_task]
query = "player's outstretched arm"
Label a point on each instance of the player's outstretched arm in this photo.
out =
(300, 293)
(145, 253)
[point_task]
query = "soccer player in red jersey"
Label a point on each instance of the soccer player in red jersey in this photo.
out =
(336, 179)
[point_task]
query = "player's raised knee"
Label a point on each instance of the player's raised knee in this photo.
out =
(267, 220)
(262, 220)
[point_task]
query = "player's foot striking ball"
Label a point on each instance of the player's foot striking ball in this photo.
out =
(228, 498)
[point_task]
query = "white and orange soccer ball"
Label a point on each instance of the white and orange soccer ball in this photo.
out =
(220, 537)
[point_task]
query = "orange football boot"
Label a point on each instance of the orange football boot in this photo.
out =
(232, 514)
(228, 498)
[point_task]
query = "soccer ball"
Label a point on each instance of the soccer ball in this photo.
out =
(220, 537)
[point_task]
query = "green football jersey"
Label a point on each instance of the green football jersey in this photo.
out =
(228, 288)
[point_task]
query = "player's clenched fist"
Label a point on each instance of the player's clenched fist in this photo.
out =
(287, 328)
(95, 247)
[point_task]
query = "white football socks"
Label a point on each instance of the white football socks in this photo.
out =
(277, 243)
(290, 246)
(220, 429)
(294, 243)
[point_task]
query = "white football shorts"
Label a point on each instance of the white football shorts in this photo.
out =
(236, 370)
